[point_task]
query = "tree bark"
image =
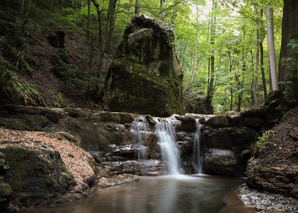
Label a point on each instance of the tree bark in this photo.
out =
(255, 79)
(137, 7)
(272, 61)
(210, 91)
(22, 6)
(196, 53)
(289, 31)
(88, 21)
(263, 71)
(110, 25)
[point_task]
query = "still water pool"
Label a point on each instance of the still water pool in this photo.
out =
(165, 194)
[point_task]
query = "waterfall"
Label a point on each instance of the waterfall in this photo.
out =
(196, 157)
(142, 152)
(170, 154)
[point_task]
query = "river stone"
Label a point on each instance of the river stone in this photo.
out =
(145, 77)
(220, 162)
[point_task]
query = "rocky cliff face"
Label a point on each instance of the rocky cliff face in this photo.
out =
(111, 137)
(273, 166)
(145, 77)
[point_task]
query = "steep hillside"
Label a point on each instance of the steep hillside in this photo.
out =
(44, 61)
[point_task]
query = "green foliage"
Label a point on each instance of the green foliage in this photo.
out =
(263, 141)
(17, 91)
(59, 99)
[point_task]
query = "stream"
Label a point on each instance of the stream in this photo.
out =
(164, 194)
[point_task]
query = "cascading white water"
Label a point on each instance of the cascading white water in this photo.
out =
(142, 152)
(170, 154)
(196, 156)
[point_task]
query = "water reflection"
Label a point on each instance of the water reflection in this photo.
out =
(167, 194)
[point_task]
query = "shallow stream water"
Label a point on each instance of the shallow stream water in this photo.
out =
(165, 194)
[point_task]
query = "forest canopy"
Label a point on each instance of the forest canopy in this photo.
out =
(222, 45)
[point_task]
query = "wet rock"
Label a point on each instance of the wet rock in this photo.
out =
(218, 121)
(150, 120)
(34, 174)
(228, 137)
(220, 162)
(187, 123)
(145, 77)
(278, 179)
(254, 122)
(235, 120)
(185, 148)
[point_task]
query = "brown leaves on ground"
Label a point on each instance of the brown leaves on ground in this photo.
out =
(75, 158)
(283, 148)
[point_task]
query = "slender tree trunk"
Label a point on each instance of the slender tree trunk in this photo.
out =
(241, 83)
(270, 35)
(22, 6)
(210, 92)
(263, 71)
(100, 40)
(137, 7)
(90, 67)
(196, 53)
(252, 68)
(52, 4)
(110, 25)
(88, 20)
(231, 89)
(262, 36)
(255, 79)
(29, 7)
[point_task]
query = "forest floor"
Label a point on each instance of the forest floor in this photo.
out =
(282, 146)
(44, 79)
(75, 158)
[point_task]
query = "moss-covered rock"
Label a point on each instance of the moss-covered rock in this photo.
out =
(5, 189)
(146, 76)
(35, 175)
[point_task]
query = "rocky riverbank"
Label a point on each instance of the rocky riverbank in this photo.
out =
(44, 169)
(265, 201)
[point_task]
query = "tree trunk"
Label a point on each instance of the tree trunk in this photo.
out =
(52, 4)
(255, 79)
(231, 89)
(22, 6)
(110, 25)
(270, 35)
(210, 92)
(289, 31)
(263, 71)
(196, 53)
(137, 7)
(241, 82)
(29, 7)
(88, 21)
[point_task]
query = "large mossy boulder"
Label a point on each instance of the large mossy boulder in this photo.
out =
(35, 175)
(145, 77)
